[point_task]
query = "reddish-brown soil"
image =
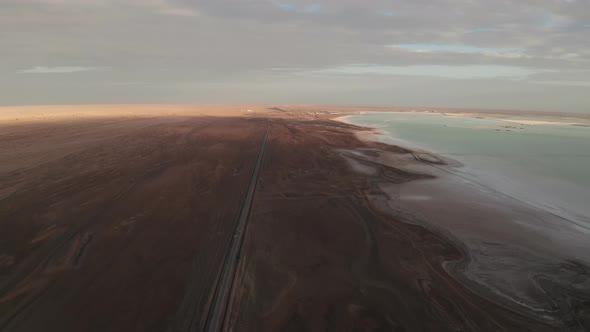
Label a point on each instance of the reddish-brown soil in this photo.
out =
(319, 257)
(126, 233)
(121, 224)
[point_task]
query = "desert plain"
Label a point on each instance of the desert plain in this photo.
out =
(119, 218)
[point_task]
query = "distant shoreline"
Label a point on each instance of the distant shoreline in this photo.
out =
(35, 113)
(508, 117)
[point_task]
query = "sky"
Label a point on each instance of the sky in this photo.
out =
(501, 54)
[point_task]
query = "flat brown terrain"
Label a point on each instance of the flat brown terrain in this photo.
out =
(116, 222)
(121, 233)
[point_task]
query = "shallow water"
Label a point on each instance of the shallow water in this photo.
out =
(547, 166)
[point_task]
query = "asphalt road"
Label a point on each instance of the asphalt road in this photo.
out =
(217, 311)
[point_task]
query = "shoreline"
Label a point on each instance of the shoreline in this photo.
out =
(556, 120)
(531, 188)
(422, 200)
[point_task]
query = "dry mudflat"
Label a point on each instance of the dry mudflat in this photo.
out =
(117, 218)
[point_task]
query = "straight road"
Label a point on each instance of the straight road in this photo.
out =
(217, 311)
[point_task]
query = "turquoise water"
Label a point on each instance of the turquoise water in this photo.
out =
(545, 165)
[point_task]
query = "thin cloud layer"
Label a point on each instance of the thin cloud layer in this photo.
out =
(56, 70)
(232, 48)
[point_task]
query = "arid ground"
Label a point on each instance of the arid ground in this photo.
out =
(118, 218)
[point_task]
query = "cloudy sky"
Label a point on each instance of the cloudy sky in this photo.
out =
(519, 54)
